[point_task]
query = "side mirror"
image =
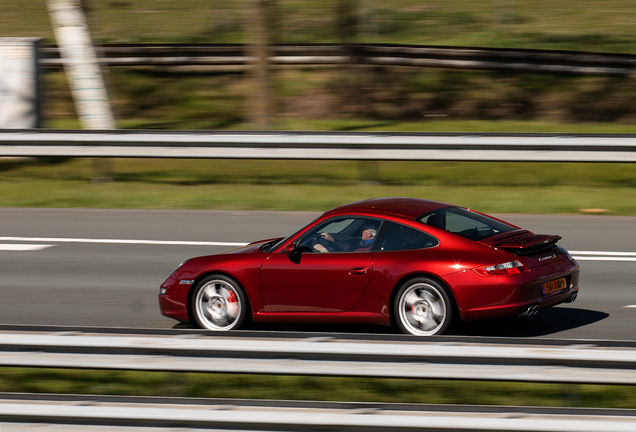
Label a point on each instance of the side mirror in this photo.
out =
(291, 249)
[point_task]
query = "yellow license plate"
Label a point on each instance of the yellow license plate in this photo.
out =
(554, 286)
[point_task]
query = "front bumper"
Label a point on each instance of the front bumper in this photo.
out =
(173, 301)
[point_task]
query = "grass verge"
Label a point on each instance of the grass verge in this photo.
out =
(545, 188)
(568, 24)
(132, 383)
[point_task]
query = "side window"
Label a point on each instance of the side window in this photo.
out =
(341, 234)
(397, 237)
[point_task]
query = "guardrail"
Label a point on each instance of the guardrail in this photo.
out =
(407, 357)
(265, 415)
(394, 356)
(321, 145)
(233, 55)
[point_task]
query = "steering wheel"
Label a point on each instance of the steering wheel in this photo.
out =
(318, 239)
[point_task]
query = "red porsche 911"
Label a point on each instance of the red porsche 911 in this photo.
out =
(416, 264)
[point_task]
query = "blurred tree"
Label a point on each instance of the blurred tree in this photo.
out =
(369, 18)
(222, 16)
(504, 12)
(88, 4)
(350, 82)
(259, 22)
(346, 21)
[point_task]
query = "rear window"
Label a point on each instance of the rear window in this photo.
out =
(465, 223)
(398, 237)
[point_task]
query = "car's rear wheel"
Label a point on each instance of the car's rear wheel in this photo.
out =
(423, 307)
(219, 303)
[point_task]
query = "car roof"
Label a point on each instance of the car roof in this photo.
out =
(409, 208)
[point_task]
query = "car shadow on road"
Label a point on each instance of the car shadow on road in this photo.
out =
(546, 322)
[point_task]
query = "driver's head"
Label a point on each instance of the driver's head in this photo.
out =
(368, 233)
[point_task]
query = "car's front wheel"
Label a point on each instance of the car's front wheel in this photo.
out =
(423, 307)
(219, 303)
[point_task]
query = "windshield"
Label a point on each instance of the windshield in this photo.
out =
(270, 246)
(465, 223)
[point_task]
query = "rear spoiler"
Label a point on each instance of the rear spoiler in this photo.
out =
(523, 242)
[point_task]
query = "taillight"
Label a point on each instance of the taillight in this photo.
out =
(509, 268)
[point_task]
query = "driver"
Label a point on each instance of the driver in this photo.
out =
(367, 239)
(363, 243)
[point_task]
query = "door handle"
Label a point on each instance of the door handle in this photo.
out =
(358, 271)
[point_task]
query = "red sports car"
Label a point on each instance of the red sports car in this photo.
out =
(416, 264)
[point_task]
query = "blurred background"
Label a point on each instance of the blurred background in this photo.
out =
(331, 97)
(500, 66)
(332, 65)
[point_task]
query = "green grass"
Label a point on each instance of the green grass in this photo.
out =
(131, 383)
(316, 185)
(488, 126)
(567, 24)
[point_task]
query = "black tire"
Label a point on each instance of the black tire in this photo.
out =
(423, 307)
(219, 303)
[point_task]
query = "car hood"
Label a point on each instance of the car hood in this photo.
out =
(250, 248)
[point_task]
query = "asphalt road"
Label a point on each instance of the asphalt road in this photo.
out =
(52, 276)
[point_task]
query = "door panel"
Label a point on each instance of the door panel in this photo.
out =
(314, 282)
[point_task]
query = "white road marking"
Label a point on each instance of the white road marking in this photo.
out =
(592, 258)
(626, 254)
(120, 241)
(23, 247)
(630, 306)
(603, 256)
